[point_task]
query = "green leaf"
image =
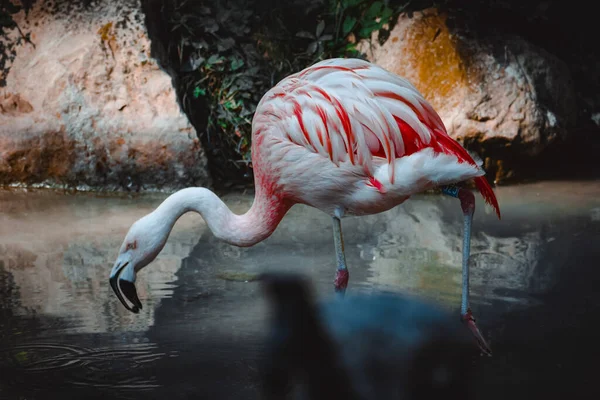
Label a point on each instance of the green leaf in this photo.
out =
(320, 28)
(225, 44)
(214, 59)
(198, 92)
(236, 64)
(365, 33)
(368, 28)
(211, 26)
(350, 3)
(386, 14)
(373, 11)
(305, 35)
(348, 24)
(353, 53)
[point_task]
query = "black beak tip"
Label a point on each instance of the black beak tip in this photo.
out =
(122, 287)
(128, 289)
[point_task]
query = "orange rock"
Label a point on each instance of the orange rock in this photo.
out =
(13, 104)
(79, 109)
(514, 104)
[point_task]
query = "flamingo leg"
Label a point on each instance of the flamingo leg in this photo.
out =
(341, 275)
(467, 203)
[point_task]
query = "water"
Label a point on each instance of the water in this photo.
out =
(199, 335)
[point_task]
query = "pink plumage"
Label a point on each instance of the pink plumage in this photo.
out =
(346, 134)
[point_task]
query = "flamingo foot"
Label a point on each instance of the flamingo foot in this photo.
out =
(468, 319)
(341, 280)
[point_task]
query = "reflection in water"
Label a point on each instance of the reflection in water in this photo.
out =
(421, 251)
(57, 250)
(63, 331)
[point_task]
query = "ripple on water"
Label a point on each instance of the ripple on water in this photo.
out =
(114, 367)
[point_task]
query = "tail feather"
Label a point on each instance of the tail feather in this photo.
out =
(487, 193)
(453, 147)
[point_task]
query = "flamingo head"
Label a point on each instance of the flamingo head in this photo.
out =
(142, 244)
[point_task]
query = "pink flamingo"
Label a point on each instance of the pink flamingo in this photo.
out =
(344, 136)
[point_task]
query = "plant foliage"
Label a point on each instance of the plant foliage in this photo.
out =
(230, 53)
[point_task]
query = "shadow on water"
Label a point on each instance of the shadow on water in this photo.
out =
(201, 332)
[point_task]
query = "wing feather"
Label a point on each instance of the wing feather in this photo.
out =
(350, 110)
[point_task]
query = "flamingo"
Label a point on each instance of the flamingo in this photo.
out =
(344, 136)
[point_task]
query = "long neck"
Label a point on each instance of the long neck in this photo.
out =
(241, 230)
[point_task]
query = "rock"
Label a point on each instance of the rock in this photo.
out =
(13, 105)
(507, 100)
(88, 106)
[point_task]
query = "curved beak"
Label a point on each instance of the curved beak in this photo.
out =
(122, 281)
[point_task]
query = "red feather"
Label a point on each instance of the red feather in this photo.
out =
(488, 194)
(482, 184)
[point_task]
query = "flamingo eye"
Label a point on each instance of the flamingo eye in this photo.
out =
(131, 246)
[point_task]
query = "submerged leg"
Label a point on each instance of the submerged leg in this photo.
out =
(341, 275)
(467, 203)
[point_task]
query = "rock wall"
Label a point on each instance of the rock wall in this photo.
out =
(86, 105)
(508, 102)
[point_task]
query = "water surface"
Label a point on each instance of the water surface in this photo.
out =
(199, 335)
